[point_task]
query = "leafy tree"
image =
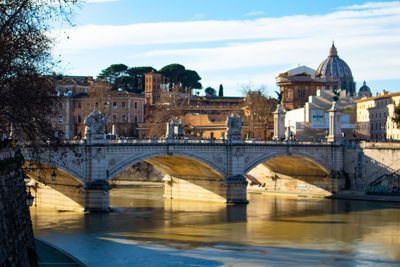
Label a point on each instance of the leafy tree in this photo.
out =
(125, 78)
(124, 83)
(137, 74)
(396, 115)
(173, 107)
(210, 91)
(191, 79)
(258, 111)
(178, 74)
(113, 72)
(27, 96)
(221, 90)
(175, 72)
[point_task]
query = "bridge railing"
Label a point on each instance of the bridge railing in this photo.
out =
(195, 141)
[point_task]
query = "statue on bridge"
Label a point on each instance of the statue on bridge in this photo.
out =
(279, 97)
(336, 94)
(95, 124)
(234, 124)
(174, 129)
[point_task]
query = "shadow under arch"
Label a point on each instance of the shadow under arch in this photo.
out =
(74, 172)
(63, 193)
(295, 172)
(178, 164)
(294, 164)
(186, 177)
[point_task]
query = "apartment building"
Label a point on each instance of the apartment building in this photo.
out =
(374, 115)
(124, 110)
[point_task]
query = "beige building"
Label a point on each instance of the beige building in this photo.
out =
(392, 129)
(374, 117)
(124, 110)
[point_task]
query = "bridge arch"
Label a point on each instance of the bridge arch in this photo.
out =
(188, 164)
(188, 176)
(64, 193)
(68, 168)
(285, 163)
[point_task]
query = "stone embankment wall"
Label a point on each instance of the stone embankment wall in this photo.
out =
(16, 235)
(366, 162)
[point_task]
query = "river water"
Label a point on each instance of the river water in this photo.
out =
(272, 230)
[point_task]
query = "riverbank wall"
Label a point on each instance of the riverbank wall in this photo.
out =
(16, 235)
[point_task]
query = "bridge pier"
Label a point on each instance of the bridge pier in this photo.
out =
(230, 190)
(97, 196)
(236, 190)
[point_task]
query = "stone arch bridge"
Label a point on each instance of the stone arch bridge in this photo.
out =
(194, 169)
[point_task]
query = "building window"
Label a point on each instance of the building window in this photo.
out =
(114, 105)
(123, 119)
(60, 106)
(114, 118)
(88, 105)
(136, 119)
(123, 104)
(60, 119)
(79, 105)
(79, 119)
(105, 105)
(135, 105)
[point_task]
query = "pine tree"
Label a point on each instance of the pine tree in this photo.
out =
(221, 90)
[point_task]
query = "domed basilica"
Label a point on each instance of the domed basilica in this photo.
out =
(298, 84)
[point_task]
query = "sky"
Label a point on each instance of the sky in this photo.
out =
(235, 43)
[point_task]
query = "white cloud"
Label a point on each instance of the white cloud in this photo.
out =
(347, 23)
(367, 37)
(371, 5)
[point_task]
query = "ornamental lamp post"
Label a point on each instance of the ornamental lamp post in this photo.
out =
(54, 175)
(29, 198)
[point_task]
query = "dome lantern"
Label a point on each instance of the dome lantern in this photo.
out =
(333, 51)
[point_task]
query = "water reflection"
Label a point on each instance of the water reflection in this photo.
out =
(350, 231)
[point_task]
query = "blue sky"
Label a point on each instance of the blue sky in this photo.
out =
(235, 43)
